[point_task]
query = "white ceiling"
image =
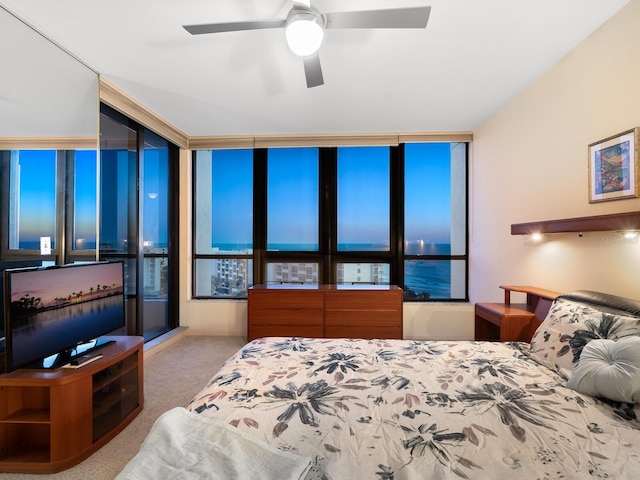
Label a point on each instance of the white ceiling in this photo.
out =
(471, 59)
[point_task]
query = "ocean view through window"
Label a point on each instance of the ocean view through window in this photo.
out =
(352, 215)
(223, 197)
(435, 213)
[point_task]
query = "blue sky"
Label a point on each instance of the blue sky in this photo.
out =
(38, 198)
(427, 192)
(85, 190)
(232, 200)
(292, 191)
(38, 194)
(363, 196)
(155, 206)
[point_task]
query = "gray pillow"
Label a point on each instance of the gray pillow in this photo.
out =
(569, 327)
(609, 369)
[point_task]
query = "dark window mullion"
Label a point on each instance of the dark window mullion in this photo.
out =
(5, 188)
(194, 230)
(139, 225)
(260, 156)
(396, 211)
(61, 213)
(174, 235)
(66, 255)
(328, 213)
(466, 221)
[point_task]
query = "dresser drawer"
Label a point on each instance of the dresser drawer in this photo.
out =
(365, 301)
(285, 308)
(344, 331)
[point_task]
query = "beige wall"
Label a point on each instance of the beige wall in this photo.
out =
(530, 164)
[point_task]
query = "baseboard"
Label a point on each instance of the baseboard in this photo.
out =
(208, 333)
(163, 341)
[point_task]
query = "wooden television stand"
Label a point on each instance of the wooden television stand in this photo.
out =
(51, 420)
(513, 322)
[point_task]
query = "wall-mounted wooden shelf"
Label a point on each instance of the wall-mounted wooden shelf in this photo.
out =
(597, 223)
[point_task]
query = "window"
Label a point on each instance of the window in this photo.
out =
(50, 194)
(224, 223)
(347, 215)
(225, 202)
(292, 199)
(84, 200)
(32, 204)
(363, 198)
(435, 221)
(292, 252)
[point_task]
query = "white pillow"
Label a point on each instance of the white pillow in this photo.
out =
(569, 326)
(609, 369)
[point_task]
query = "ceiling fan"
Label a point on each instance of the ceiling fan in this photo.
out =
(304, 28)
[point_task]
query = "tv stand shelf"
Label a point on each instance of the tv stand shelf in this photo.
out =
(51, 420)
(28, 415)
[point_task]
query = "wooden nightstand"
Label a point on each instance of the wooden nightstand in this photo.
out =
(513, 322)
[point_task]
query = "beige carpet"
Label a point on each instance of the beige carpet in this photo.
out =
(171, 378)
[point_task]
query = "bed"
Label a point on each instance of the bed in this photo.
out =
(562, 406)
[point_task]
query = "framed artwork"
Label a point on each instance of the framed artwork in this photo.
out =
(613, 167)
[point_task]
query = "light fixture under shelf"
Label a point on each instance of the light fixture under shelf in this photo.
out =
(597, 223)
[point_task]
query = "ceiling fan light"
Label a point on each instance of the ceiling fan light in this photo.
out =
(304, 36)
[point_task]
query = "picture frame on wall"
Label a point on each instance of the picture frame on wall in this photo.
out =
(613, 167)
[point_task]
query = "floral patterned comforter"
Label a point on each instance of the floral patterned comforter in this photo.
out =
(402, 409)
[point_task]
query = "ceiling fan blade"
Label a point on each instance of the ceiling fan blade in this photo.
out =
(304, 3)
(313, 70)
(233, 26)
(413, 17)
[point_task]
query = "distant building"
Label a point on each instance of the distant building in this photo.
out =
(292, 273)
(155, 271)
(373, 273)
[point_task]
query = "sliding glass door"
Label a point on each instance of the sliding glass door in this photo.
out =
(137, 218)
(155, 234)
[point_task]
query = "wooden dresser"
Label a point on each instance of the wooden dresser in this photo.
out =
(350, 311)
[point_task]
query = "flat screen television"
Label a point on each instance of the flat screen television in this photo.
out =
(53, 314)
(6, 266)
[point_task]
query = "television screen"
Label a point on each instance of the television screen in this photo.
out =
(54, 311)
(6, 266)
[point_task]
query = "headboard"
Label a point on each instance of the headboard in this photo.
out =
(605, 302)
(602, 301)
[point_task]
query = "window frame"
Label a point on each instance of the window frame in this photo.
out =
(328, 256)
